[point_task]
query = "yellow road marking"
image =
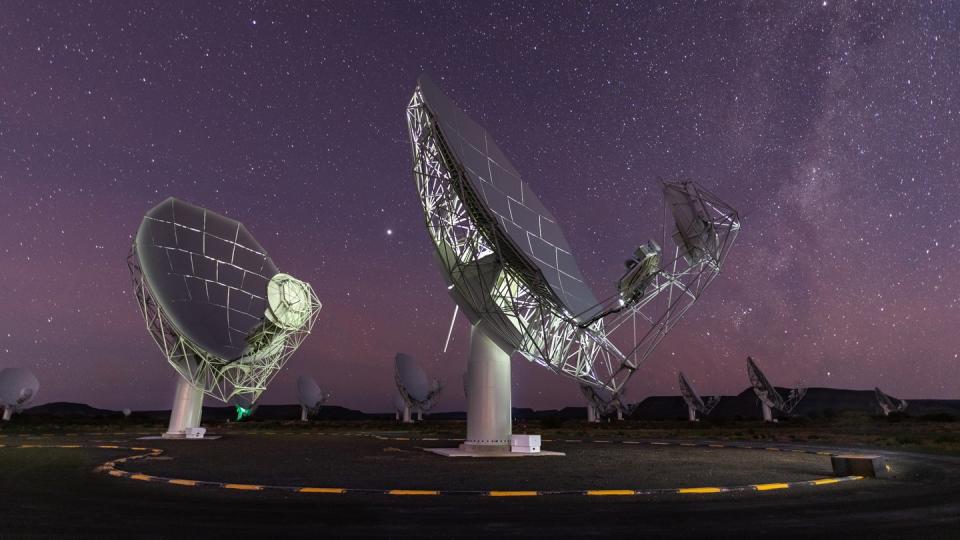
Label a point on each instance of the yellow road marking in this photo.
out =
(180, 482)
(700, 490)
(715, 445)
(603, 492)
(321, 490)
(768, 487)
(512, 493)
(823, 481)
(116, 473)
(145, 477)
(412, 492)
(243, 487)
(108, 446)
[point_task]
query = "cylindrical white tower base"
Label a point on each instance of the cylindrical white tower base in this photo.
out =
(489, 407)
(767, 413)
(186, 411)
(407, 415)
(303, 413)
(7, 413)
(691, 413)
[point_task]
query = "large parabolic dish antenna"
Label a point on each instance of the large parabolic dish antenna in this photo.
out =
(511, 270)
(419, 394)
(17, 387)
(310, 395)
(889, 404)
(769, 396)
(696, 406)
(217, 306)
(602, 402)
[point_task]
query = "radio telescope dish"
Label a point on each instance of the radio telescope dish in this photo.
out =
(310, 395)
(889, 404)
(510, 269)
(17, 387)
(695, 404)
(217, 306)
(602, 402)
(768, 395)
(418, 393)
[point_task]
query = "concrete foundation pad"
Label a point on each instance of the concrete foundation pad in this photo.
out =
(857, 465)
(470, 453)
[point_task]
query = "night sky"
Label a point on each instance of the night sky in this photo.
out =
(833, 127)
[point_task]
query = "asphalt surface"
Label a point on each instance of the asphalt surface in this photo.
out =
(53, 492)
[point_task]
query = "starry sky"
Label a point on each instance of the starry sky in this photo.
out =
(834, 127)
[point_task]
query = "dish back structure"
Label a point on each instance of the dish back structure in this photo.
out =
(695, 404)
(508, 265)
(889, 404)
(768, 394)
(602, 402)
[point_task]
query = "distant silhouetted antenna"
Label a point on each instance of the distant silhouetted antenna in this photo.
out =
(310, 395)
(17, 387)
(889, 404)
(768, 395)
(696, 406)
(419, 394)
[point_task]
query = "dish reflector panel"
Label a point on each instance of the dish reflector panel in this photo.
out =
(310, 394)
(518, 216)
(208, 274)
(413, 379)
(17, 387)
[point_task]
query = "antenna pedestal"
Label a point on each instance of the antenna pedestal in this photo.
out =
(489, 405)
(186, 411)
(767, 413)
(7, 413)
(691, 414)
(303, 413)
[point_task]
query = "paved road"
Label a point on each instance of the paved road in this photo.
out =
(54, 492)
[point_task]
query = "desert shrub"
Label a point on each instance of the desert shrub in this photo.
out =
(938, 417)
(552, 422)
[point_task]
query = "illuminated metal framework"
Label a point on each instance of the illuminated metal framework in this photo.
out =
(769, 395)
(536, 305)
(277, 335)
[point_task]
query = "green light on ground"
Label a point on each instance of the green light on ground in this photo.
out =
(243, 413)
